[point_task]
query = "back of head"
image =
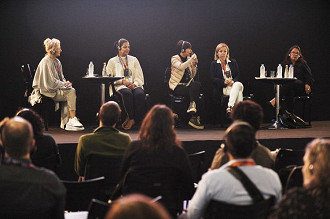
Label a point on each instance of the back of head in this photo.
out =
(35, 120)
(240, 139)
(109, 113)
(157, 128)
(17, 137)
(51, 45)
(318, 155)
(248, 111)
(138, 207)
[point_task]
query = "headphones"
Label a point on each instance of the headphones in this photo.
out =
(118, 44)
(53, 51)
(233, 125)
(182, 48)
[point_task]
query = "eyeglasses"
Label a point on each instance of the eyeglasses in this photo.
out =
(295, 53)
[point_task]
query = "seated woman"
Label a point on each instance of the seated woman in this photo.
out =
(302, 72)
(131, 86)
(225, 76)
(50, 82)
(183, 71)
(45, 145)
(159, 148)
(313, 200)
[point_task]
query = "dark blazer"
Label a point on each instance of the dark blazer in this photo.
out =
(217, 78)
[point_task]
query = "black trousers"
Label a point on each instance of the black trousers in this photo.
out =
(290, 90)
(134, 102)
(192, 91)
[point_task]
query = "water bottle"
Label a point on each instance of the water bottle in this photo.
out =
(91, 69)
(279, 71)
(104, 70)
(262, 71)
(286, 72)
(291, 71)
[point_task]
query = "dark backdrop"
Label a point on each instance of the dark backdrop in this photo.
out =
(257, 31)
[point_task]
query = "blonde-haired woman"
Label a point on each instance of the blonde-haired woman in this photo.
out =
(225, 76)
(50, 82)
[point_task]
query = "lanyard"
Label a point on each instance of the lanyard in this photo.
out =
(57, 67)
(243, 163)
(124, 65)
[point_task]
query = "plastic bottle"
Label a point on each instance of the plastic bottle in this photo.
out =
(91, 69)
(279, 71)
(262, 71)
(291, 71)
(104, 70)
(286, 72)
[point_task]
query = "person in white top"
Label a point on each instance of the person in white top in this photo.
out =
(50, 82)
(221, 185)
(131, 86)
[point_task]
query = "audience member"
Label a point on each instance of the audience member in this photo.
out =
(313, 200)
(105, 140)
(131, 86)
(183, 71)
(50, 82)
(252, 113)
(158, 147)
(137, 206)
(45, 144)
(2, 151)
(221, 185)
(26, 191)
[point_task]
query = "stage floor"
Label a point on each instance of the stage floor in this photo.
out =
(319, 129)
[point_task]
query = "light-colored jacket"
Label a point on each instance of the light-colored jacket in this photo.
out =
(177, 70)
(115, 69)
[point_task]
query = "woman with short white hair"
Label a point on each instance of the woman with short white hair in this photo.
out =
(50, 82)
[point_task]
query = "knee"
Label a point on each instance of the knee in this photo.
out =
(72, 92)
(238, 85)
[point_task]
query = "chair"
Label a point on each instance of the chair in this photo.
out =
(47, 105)
(295, 178)
(97, 209)
(108, 166)
(79, 194)
(217, 209)
(52, 162)
(179, 104)
(196, 161)
(154, 182)
(287, 159)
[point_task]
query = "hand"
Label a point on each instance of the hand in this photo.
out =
(126, 83)
(308, 89)
(227, 81)
(132, 86)
(67, 84)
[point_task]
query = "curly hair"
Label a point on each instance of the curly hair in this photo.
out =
(35, 119)
(318, 154)
(157, 129)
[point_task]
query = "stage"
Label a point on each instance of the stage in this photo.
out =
(194, 140)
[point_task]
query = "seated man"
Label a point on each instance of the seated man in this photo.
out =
(26, 191)
(105, 140)
(252, 113)
(221, 185)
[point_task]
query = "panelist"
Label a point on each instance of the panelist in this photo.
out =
(50, 82)
(302, 72)
(183, 71)
(131, 86)
(225, 76)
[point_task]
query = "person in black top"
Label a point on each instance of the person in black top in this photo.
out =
(225, 77)
(46, 146)
(299, 87)
(159, 148)
(313, 200)
(26, 191)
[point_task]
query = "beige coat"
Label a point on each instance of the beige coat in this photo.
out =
(177, 70)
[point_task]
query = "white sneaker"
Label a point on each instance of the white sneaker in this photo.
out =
(192, 107)
(74, 125)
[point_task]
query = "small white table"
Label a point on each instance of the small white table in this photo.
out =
(276, 82)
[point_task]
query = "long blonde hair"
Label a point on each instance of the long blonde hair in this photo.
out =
(219, 46)
(51, 45)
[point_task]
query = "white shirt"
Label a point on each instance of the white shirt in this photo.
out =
(220, 185)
